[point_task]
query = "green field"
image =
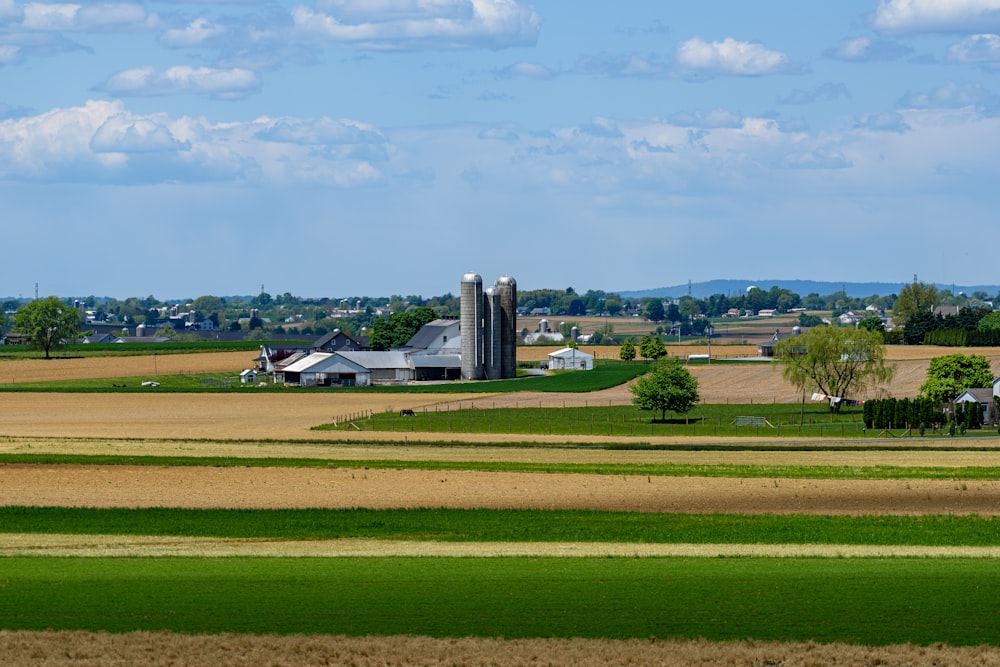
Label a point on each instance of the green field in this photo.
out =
(866, 601)
(773, 420)
(483, 525)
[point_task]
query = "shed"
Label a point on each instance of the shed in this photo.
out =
(571, 359)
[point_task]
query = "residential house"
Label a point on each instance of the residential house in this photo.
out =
(766, 348)
(984, 398)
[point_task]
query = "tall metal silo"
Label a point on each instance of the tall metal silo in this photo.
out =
(471, 322)
(492, 333)
(507, 287)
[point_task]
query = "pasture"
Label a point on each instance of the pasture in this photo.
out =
(282, 530)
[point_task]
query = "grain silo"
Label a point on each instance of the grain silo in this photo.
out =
(507, 287)
(471, 321)
(491, 333)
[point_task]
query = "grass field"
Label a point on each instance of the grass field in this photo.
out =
(865, 601)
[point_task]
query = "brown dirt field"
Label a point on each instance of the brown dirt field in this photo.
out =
(225, 416)
(81, 368)
(83, 649)
(117, 546)
(259, 488)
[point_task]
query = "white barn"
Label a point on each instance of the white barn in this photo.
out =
(570, 359)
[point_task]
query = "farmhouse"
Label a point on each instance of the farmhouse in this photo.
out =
(766, 349)
(571, 359)
(337, 341)
(984, 398)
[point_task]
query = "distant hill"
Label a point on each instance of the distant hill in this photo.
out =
(801, 287)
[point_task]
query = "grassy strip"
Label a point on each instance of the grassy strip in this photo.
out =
(482, 525)
(964, 473)
(860, 601)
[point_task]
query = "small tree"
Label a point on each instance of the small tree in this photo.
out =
(652, 347)
(627, 351)
(46, 322)
(667, 386)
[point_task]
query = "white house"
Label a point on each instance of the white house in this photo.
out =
(570, 359)
(982, 397)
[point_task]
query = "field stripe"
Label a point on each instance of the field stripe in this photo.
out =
(103, 546)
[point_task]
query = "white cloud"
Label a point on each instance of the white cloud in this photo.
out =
(867, 49)
(102, 142)
(620, 65)
(951, 95)
(887, 121)
(126, 134)
(976, 49)
(219, 83)
(195, 33)
(394, 10)
(730, 57)
(9, 11)
(398, 24)
(711, 119)
(323, 131)
(913, 16)
(526, 70)
(94, 17)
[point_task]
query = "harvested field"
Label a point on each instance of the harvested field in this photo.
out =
(118, 546)
(82, 368)
(264, 488)
(223, 416)
(83, 649)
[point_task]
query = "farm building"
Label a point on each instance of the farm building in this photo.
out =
(386, 367)
(438, 351)
(338, 341)
(325, 369)
(570, 359)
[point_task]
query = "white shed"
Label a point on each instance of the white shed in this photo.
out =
(570, 359)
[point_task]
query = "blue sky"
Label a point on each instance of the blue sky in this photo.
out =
(375, 147)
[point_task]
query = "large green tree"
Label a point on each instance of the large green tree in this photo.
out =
(627, 350)
(46, 322)
(914, 298)
(666, 386)
(839, 362)
(949, 376)
(399, 327)
(652, 347)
